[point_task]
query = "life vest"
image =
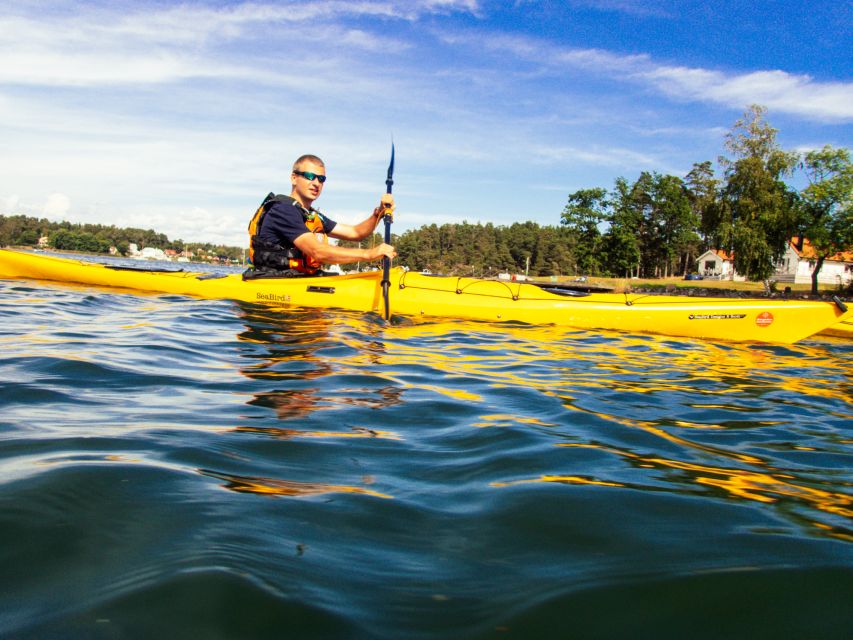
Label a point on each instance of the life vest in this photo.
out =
(265, 254)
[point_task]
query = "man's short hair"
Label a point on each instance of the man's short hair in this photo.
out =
(308, 158)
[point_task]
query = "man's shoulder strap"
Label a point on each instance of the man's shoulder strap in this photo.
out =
(273, 198)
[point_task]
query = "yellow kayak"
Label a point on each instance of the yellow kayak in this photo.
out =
(416, 294)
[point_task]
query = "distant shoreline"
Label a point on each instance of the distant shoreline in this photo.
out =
(120, 257)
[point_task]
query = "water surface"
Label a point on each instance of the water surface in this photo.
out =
(172, 467)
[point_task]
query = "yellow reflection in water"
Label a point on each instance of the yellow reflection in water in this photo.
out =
(764, 487)
(577, 368)
(289, 488)
(738, 484)
(456, 394)
(746, 484)
(505, 420)
(509, 354)
(561, 480)
(291, 344)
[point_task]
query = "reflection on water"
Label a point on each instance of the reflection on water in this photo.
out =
(299, 351)
(728, 483)
(287, 434)
(270, 486)
(439, 479)
(708, 403)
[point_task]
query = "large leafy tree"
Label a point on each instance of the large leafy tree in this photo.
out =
(675, 225)
(702, 190)
(553, 254)
(584, 212)
(622, 240)
(756, 215)
(827, 204)
(652, 226)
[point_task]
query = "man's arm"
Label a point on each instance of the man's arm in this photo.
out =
(308, 244)
(364, 228)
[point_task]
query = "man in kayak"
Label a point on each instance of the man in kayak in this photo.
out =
(289, 237)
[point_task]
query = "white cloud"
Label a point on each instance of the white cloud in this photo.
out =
(780, 91)
(197, 25)
(545, 53)
(604, 156)
(641, 8)
(711, 133)
(57, 205)
(101, 47)
(10, 204)
(799, 95)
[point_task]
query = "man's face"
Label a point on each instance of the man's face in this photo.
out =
(307, 190)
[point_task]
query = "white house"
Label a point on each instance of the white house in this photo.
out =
(717, 264)
(799, 261)
(796, 265)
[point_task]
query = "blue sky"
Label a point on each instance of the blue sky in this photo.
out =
(181, 117)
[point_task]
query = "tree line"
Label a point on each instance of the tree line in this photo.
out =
(486, 250)
(658, 224)
(20, 230)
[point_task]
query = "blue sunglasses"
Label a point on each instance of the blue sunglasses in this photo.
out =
(310, 176)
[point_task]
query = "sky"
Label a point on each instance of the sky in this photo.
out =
(182, 117)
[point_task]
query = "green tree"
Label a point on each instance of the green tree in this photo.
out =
(552, 254)
(28, 237)
(503, 258)
(521, 238)
(622, 240)
(827, 204)
(702, 190)
(756, 215)
(653, 226)
(676, 224)
(76, 240)
(586, 209)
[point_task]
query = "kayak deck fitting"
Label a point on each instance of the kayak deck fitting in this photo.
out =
(416, 294)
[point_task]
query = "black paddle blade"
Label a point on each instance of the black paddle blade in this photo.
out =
(389, 182)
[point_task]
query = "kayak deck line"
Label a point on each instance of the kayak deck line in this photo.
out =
(580, 296)
(424, 295)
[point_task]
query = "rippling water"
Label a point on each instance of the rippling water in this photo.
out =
(172, 467)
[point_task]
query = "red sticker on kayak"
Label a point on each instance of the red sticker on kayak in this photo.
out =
(764, 319)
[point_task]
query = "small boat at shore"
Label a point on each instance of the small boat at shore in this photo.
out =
(422, 295)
